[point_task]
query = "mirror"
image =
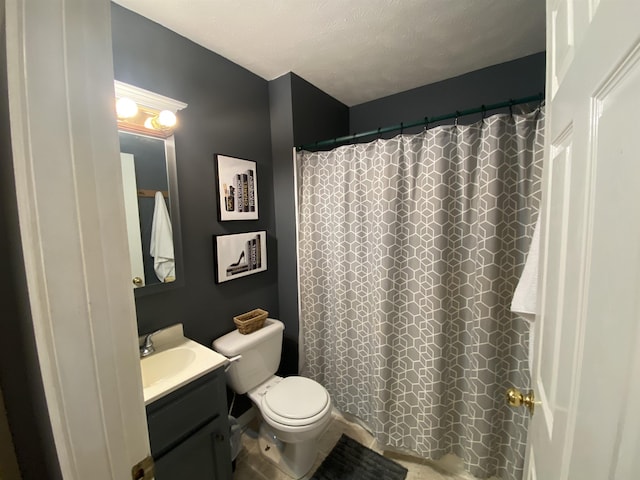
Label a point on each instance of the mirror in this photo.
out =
(152, 228)
(150, 187)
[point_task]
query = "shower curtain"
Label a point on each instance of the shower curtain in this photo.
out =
(409, 252)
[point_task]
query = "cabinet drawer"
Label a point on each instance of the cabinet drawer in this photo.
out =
(173, 418)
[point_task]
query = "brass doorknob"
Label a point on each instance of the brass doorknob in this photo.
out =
(137, 281)
(515, 398)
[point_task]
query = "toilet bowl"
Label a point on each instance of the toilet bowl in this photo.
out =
(294, 410)
(294, 407)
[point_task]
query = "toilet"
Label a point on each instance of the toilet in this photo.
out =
(295, 410)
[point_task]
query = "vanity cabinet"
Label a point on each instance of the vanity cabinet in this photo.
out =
(189, 431)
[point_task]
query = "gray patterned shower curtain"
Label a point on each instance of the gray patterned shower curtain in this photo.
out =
(409, 252)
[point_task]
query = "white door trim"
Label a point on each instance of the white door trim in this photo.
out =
(72, 226)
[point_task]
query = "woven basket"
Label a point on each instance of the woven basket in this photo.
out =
(251, 321)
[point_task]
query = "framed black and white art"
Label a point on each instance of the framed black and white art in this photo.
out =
(237, 188)
(239, 255)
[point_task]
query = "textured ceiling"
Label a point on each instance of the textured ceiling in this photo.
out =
(357, 50)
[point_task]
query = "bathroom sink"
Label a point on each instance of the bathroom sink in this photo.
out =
(176, 361)
(164, 365)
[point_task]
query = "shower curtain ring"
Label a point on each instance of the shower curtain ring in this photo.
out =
(455, 123)
(426, 123)
(511, 103)
(401, 128)
(540, 105)
(379, 128)
(484, 113)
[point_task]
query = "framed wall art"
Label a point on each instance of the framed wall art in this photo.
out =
(237, 188)
(239, 255)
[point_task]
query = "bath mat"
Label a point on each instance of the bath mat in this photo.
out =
(350, 460)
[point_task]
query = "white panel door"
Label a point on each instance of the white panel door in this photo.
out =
(587, 353)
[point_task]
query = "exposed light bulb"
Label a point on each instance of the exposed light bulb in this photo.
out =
(167, 119)
(126, 108)
(163, 121)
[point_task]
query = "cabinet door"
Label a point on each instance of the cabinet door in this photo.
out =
(203, 455)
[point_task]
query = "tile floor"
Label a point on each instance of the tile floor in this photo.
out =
(251, 465)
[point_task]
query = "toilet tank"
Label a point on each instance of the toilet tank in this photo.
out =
(260, 350)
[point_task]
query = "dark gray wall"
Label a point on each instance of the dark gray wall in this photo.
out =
(20, 377)
(300, 113)
(515, 79)
(316, 115)
(281, 109)
(228, 113)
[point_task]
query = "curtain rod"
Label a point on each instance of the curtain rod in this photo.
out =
(426, 121)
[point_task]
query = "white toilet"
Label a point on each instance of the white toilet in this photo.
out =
(295, 410)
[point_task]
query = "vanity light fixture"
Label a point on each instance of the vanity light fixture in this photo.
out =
(142, 111)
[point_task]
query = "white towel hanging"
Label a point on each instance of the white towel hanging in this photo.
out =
(162, 241)
(526, 295)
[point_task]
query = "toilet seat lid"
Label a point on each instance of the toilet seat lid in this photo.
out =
(296, 399)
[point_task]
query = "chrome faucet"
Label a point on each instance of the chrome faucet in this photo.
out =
(147, 347)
